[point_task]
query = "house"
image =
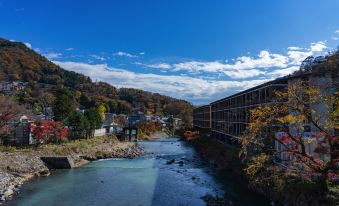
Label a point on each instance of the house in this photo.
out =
(134, 118)
(177, 122)
(114, 123)
(5, 86)
(80, 110)
(19, 86)
(21, 135)
(10, 87)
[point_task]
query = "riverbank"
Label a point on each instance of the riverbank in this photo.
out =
(282, 190)
(146, 180)
(19, 166)
(154, 136)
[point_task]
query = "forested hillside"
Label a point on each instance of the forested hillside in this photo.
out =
(20, 63)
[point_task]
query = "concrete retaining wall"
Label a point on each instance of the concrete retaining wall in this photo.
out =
(58, 162)
(99, 132)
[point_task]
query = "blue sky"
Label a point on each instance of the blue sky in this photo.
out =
(195, 50)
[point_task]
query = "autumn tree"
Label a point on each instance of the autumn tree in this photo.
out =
(49, 131)
(119, 107)
(182, 110)
(86, 101)
(147, 128)
(101, 111)
(46, 100)
(294, 113)
(10, 111)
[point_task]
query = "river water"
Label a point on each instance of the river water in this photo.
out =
(148, 180)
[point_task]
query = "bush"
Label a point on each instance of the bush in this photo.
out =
(147, 128)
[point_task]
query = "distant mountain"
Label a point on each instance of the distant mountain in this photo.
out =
(20, 63)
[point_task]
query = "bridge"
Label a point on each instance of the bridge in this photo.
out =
(129, 133)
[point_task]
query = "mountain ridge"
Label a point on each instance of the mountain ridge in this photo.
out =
(20, 63)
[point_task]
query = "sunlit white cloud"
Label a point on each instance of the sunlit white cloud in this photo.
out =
(265, 64)
(193, 89)
(294, 48)
(283, 72)
(52, 55)
(97, 57)
(194, 80)
(124, 54)
(154, 66)
(318, 46)
(69, 49)
(28, 45)
(336, 35)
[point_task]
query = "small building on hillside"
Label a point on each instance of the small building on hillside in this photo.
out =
(114, 123)
(8, 87)
(21, 135)
(134, 118)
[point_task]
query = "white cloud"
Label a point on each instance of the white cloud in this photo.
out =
(243, 74)
(208, 82)
(296, 57)
(264, 60)
(243, 67)
(52, 55)
(283, 72)
(294, 48)
(69, 49)
(318, 46)
(190, 88)
(265, 64)
(28, 45)
(124, 54)
(142, 53)
(97, 57)
(336, 35)
(155, 66)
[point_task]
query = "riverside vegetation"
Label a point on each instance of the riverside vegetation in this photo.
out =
(281, 190)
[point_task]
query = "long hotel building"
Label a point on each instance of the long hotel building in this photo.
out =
(230, 116)
(202, 118)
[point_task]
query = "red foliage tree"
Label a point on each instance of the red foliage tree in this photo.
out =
(49, 131)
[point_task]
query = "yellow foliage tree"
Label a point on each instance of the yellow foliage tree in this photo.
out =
(101, 111)
(293, 113)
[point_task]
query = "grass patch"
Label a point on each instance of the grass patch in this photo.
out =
(79, 146)
(7, 148)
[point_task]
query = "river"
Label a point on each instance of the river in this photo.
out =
(148, 180)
